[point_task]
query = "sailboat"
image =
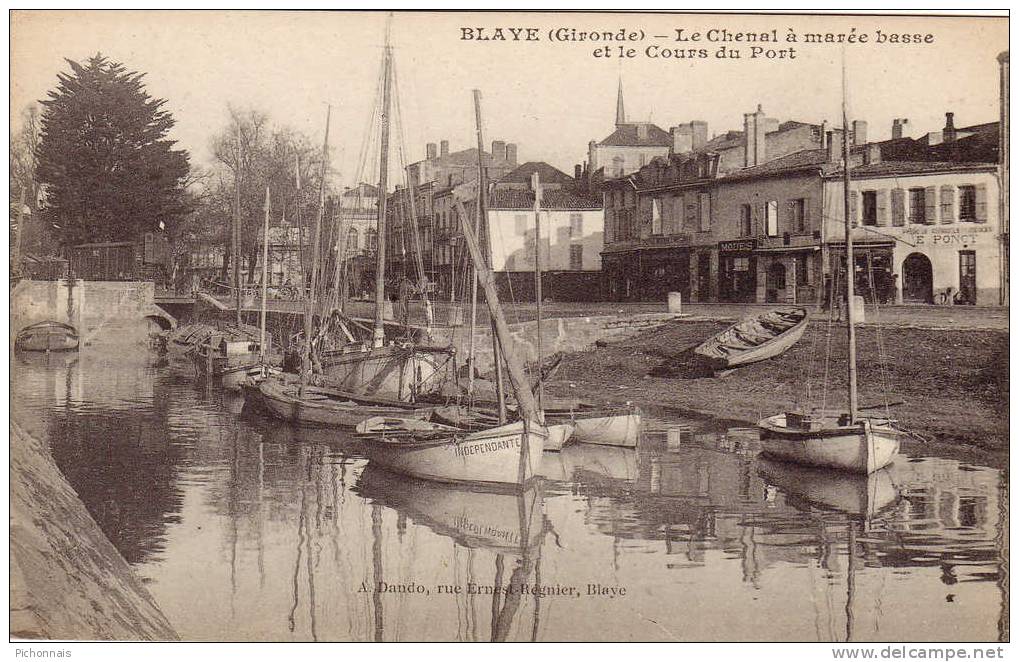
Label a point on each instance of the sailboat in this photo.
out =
(505, 453)
(307, 401)
(847, 441)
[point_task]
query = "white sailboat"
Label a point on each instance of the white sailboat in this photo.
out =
(846, 441)
(506, 453)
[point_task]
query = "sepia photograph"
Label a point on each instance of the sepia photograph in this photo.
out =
(509, 326)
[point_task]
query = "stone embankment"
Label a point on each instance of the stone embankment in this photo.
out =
(67, 579)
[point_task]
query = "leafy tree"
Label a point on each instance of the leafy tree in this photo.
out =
(108, 169)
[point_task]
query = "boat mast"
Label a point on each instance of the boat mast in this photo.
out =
(536, 187)
(484, 234)
(503, 340)
(265, 279)
(419, 258)
(379, 331)
(236, 238)
(850, 263)
(316, 247)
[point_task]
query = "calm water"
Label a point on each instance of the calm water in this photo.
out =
(245, 529)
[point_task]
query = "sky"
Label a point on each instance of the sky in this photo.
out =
(549, 97)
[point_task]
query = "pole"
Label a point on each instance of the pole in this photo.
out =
(536, 187)
(850, 264)
(300, 223)
(485, 237)
(379, 332)
(236, 242)
(419, 258)
(515, 368)
(315, 249)
(263, 354)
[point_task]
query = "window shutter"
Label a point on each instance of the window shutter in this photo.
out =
(854, 207)
(790, 215)
(705, 212)
(806, 214)
(981, 203)
(898, 207)
(930, 198)
(882, 207)
(609, 221)
(947, 204)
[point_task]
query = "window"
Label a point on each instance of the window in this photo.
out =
(656, 216)
(576, 226)
(771, 217)
(352, 239)
(371, 239)
(741, 264)
(705, 210)
(746, 227)
(917, 206)
(967, 203)
(520, 224)
(576, 257)
(870, 207)
(798, 215)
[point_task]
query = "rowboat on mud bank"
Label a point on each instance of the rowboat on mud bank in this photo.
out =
(755, 338)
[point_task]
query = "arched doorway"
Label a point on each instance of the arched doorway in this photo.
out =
(917, 279)
(775, 282)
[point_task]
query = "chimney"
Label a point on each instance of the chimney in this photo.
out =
(444, 148)
(833, 140)
(682, 138)
(899, 129)
(859, 132)
(872, 154)
(592, 154)
(578, 172)
(949, 131)
(498, 150)
(511, 153)
(700, 133)
(754, 131)
(430, 151)
(824, 134)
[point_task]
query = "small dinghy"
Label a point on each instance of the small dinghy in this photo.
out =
(609, 425)
(755, 338)
(47, 337)
(863, 445)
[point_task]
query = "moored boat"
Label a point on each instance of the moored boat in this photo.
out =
(319, 406)
(610, 425)
(863, 446)
(505, 454)
(49, 336)
(755, 338)
(849, 493)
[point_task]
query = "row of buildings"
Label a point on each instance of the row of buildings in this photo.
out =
(751, 215)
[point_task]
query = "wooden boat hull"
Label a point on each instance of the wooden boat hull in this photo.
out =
(233, 378)
(392, 372)
(47, 337)
(723, 358)
(492, 456)
(612, 426)
(558, 435)
(282, 401)
(863, 448)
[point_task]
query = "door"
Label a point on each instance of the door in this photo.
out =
(775, 288)
(704, 276)
(967, 277)
(917, 279)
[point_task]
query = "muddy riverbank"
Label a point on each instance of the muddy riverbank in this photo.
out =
(954, 384)
(67, 579)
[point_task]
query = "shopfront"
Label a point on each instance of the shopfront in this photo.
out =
(875, 276)
(737, 271)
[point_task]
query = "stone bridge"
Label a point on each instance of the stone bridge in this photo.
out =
(101, 311)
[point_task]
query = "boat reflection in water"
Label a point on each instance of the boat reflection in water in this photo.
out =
(857, 495)
(611, 462)
(509, 524)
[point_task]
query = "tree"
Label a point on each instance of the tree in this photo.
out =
(268, 157)
(108, 169)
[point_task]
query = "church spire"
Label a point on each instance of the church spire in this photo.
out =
(620, 113)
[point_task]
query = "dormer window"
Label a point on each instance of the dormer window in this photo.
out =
(642, 132)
